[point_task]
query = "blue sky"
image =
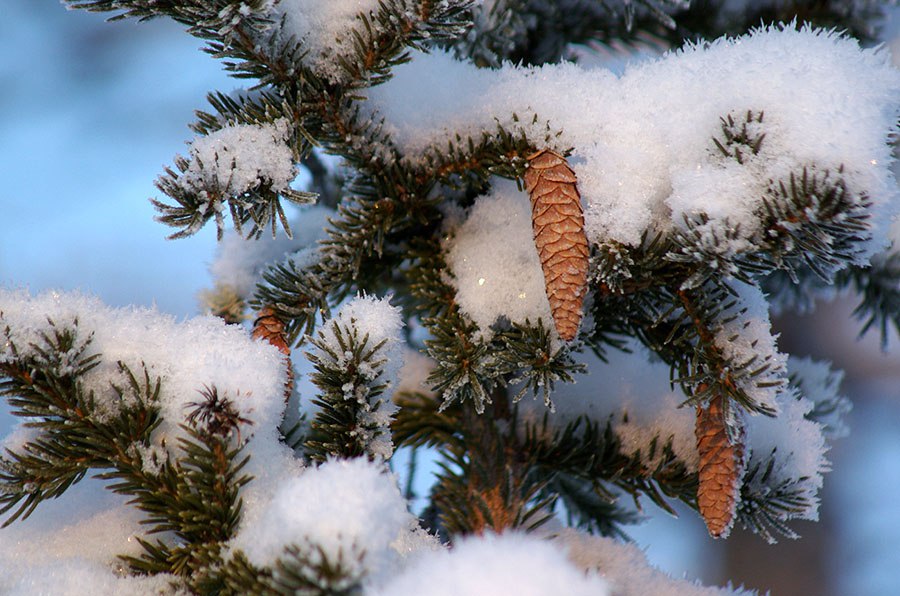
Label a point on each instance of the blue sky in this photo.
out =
(92, 112)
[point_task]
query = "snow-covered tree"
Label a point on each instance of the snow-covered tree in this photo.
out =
(556, 278)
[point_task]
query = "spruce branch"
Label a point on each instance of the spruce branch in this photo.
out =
(463, 371)
(812, 220)
(809, 222)
(204, 16)
(229, 27)
(194, 495)
(236, 575)
(536, 32)
(309, 571)
(469, 367)
(380, 40)
(714, 250)
(363, 246)
(742, 138)
(879, 289)
(709, 372)
(261, 106)
(200, 190)
(766, 506)
(43, 384)
(617, 269)
(348, 373)
(592, 507)
(467, 162)
(692, 330)
(488, 485)
(191, 493)
(305, 570)
(590, 453)
(877, 286)
(525, 353)
(422, 422)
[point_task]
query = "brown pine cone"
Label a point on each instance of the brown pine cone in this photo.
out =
(558, 224)
(270, 328)
(721, 468)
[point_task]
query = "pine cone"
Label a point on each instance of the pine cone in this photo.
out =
(558, 224)
(721, 468)
(270, 328)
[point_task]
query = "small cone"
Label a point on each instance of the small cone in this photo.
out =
(558, 224)
(270, 328)
(721, 469)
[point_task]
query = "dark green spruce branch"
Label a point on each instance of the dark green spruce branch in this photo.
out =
(193, 497)
(879, 289)
(525, 354)
(254, 107)
(466, 162)
(380, 40)
(487, 484)
(709, 371)
(301, 570)
(682, 327)
(462, 372)
(741, 137)
(189, 495)
(536, 32)
(350, 382)
(813, 221)
(365, 245)
(224, 24)
(586, 464)
(766, 505)
(422, 422)
(75, 434)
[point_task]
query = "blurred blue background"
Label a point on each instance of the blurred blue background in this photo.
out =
(91, 112)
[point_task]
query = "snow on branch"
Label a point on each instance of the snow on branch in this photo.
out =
(189, 358)
(646, 146)
(347, 40)
(344, 510)
(248, 167)
(510, 563)
(493, 264)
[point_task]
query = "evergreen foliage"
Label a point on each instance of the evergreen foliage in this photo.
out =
(684, 294)
(349, 377)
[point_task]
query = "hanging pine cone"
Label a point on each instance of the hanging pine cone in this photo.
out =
(270, 328)
(558, 224)
(721, 468)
